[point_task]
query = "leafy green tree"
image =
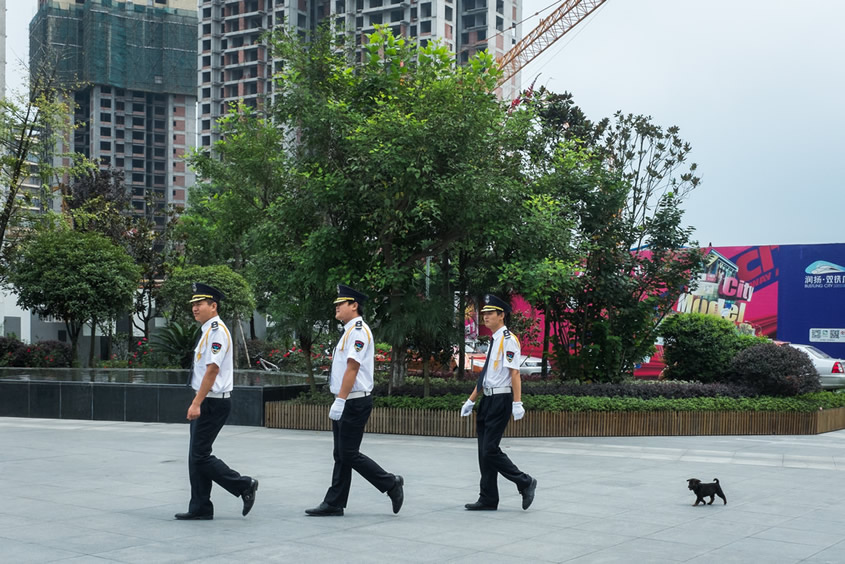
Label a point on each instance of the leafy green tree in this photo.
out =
(546, 261)
(32, 125)
(238, 302)
(295, 273)
(405, 155)
(622, 182)
(155, 250)
(433, 332)
(98, 201)
(252, 212)
(73, 276)
(243, 174)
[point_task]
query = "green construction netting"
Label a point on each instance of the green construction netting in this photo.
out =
(118, 44)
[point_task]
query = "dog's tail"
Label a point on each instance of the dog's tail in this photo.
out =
(716, 480)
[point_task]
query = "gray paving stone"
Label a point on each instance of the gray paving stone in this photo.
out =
(92, 491)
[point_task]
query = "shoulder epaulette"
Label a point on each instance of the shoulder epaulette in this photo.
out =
(507, 334)
(214, 325)
(359, 324)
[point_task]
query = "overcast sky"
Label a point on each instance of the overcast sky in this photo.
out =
(756, 86)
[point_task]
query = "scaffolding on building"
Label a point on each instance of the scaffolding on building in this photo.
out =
(121, 44)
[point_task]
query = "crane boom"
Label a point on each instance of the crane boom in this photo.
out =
(549, 30)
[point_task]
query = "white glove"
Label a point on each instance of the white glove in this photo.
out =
(518, 411)
(337, 409)
(466, 409)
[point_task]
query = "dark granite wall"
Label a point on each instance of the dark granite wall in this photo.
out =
(106, 401)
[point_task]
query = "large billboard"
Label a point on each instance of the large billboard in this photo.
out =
(811, 308)
(792, 293)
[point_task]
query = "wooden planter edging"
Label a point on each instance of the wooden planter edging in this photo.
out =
(280, 415)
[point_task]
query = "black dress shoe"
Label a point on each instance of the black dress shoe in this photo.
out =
(478, 506)
(396, 493)
(248, 495)
(194, 516)
(528, 494)
(325, 510)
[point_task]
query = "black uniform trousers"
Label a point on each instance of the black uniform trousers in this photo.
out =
(491, 420)
(205, 468)
(348, 432)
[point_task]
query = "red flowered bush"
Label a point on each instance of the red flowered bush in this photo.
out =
(44, 354)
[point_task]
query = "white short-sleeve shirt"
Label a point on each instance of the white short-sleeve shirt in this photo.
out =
(214, 347)
(506, 354)
(355, 343)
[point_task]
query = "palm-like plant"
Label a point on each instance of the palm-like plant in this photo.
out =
(178, 341)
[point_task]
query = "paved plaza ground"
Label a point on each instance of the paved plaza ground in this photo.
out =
(97, 492)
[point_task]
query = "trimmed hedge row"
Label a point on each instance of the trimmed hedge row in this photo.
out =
(643, 389)
(555, 403)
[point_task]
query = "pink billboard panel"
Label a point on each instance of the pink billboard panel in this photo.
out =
(739, 284)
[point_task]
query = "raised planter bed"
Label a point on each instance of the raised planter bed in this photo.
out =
(114, 394)
(282, 415)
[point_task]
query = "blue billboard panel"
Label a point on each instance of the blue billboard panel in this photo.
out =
(811, 301)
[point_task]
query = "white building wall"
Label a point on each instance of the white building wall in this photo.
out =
(10, 311)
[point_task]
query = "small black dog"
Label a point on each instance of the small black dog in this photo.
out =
(703, 490)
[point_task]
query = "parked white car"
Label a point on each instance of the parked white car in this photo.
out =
(831, 370)
(531, 366)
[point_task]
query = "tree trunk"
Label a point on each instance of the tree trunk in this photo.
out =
(130, 341)
(398, 360)
(547, 327)
(236, 325)
(307, 345)
(462, 306)
(252, 327)
(426, 376)
(93, 343)
(73, 330)
(462, 342)
(109, 341)
(398, 367)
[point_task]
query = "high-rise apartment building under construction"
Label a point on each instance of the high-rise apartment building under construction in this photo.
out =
(135, 63)
(234, 64)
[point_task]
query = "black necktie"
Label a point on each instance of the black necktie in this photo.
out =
(479, 385)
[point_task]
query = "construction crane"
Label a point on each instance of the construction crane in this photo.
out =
(569, 14)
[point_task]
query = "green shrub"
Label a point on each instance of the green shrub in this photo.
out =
(317, 398)
(747, 341)
(700, 347)
(44, 354)
(775, 370)
(145, 355)
(177, 341)
(51, 354)
(288, 359)
(560, 403)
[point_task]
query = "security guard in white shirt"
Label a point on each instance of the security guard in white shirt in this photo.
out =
(211, 378)
(352, 384)
(501, 386)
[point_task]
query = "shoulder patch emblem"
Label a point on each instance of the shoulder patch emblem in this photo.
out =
(215, 348)
(507, 334)
(359, 346)
(214, 325)
(510, 355)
